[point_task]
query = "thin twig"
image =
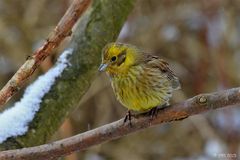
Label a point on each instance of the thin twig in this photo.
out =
(196, 105)
(62, 30)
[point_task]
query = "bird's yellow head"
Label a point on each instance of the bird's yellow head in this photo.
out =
(118, 57)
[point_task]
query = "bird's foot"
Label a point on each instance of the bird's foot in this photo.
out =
(154, 111)
(128, 117)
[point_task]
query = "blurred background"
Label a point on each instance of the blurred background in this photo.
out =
(200, 40)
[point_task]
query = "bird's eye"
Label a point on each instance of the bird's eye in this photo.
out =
(113, 58)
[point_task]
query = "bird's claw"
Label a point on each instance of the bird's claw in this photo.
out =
(128, 117)
(153, 112)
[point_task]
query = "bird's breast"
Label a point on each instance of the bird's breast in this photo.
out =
(128, 89)
(141, 89)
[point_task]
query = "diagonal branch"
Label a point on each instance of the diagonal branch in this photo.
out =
(196, 105)
(100, 25)
(62, 30)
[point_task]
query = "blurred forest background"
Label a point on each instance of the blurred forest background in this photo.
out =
(200, 40)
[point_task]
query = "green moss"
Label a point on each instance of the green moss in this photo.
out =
(100, 25)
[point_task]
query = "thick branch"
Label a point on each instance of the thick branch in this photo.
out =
(62, 30)
(196, 105)
(100, 25)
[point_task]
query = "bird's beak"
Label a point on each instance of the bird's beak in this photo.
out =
(103, 67)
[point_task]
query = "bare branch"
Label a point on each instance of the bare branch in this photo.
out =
(100, 25)
(196, 105)
(62, 30)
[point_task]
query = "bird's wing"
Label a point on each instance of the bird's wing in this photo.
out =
(156, 62)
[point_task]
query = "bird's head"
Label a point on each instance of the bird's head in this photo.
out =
(118, 57)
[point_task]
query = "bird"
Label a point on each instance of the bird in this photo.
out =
(141, 82)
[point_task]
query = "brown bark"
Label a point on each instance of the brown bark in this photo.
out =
(62, 30)
(196, 105)
(100, 25)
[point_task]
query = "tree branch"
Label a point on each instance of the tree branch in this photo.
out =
(99, 25)
(196, 105)
(62, 30)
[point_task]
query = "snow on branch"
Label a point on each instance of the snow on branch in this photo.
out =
(14, 121)
(196, 105)
(62, 30)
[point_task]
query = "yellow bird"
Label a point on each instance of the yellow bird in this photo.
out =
(140, 81)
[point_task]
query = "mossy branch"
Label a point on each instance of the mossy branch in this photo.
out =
(61, 31)
(196, 105)
(100, 25)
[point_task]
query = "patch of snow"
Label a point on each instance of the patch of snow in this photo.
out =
(14, 121)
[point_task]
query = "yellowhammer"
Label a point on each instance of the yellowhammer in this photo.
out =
(140, 81)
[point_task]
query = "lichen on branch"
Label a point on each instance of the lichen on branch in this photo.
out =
(100, 25)
(61, 31)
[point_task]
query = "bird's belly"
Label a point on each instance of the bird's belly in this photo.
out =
(141, 104)
(136, 97)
